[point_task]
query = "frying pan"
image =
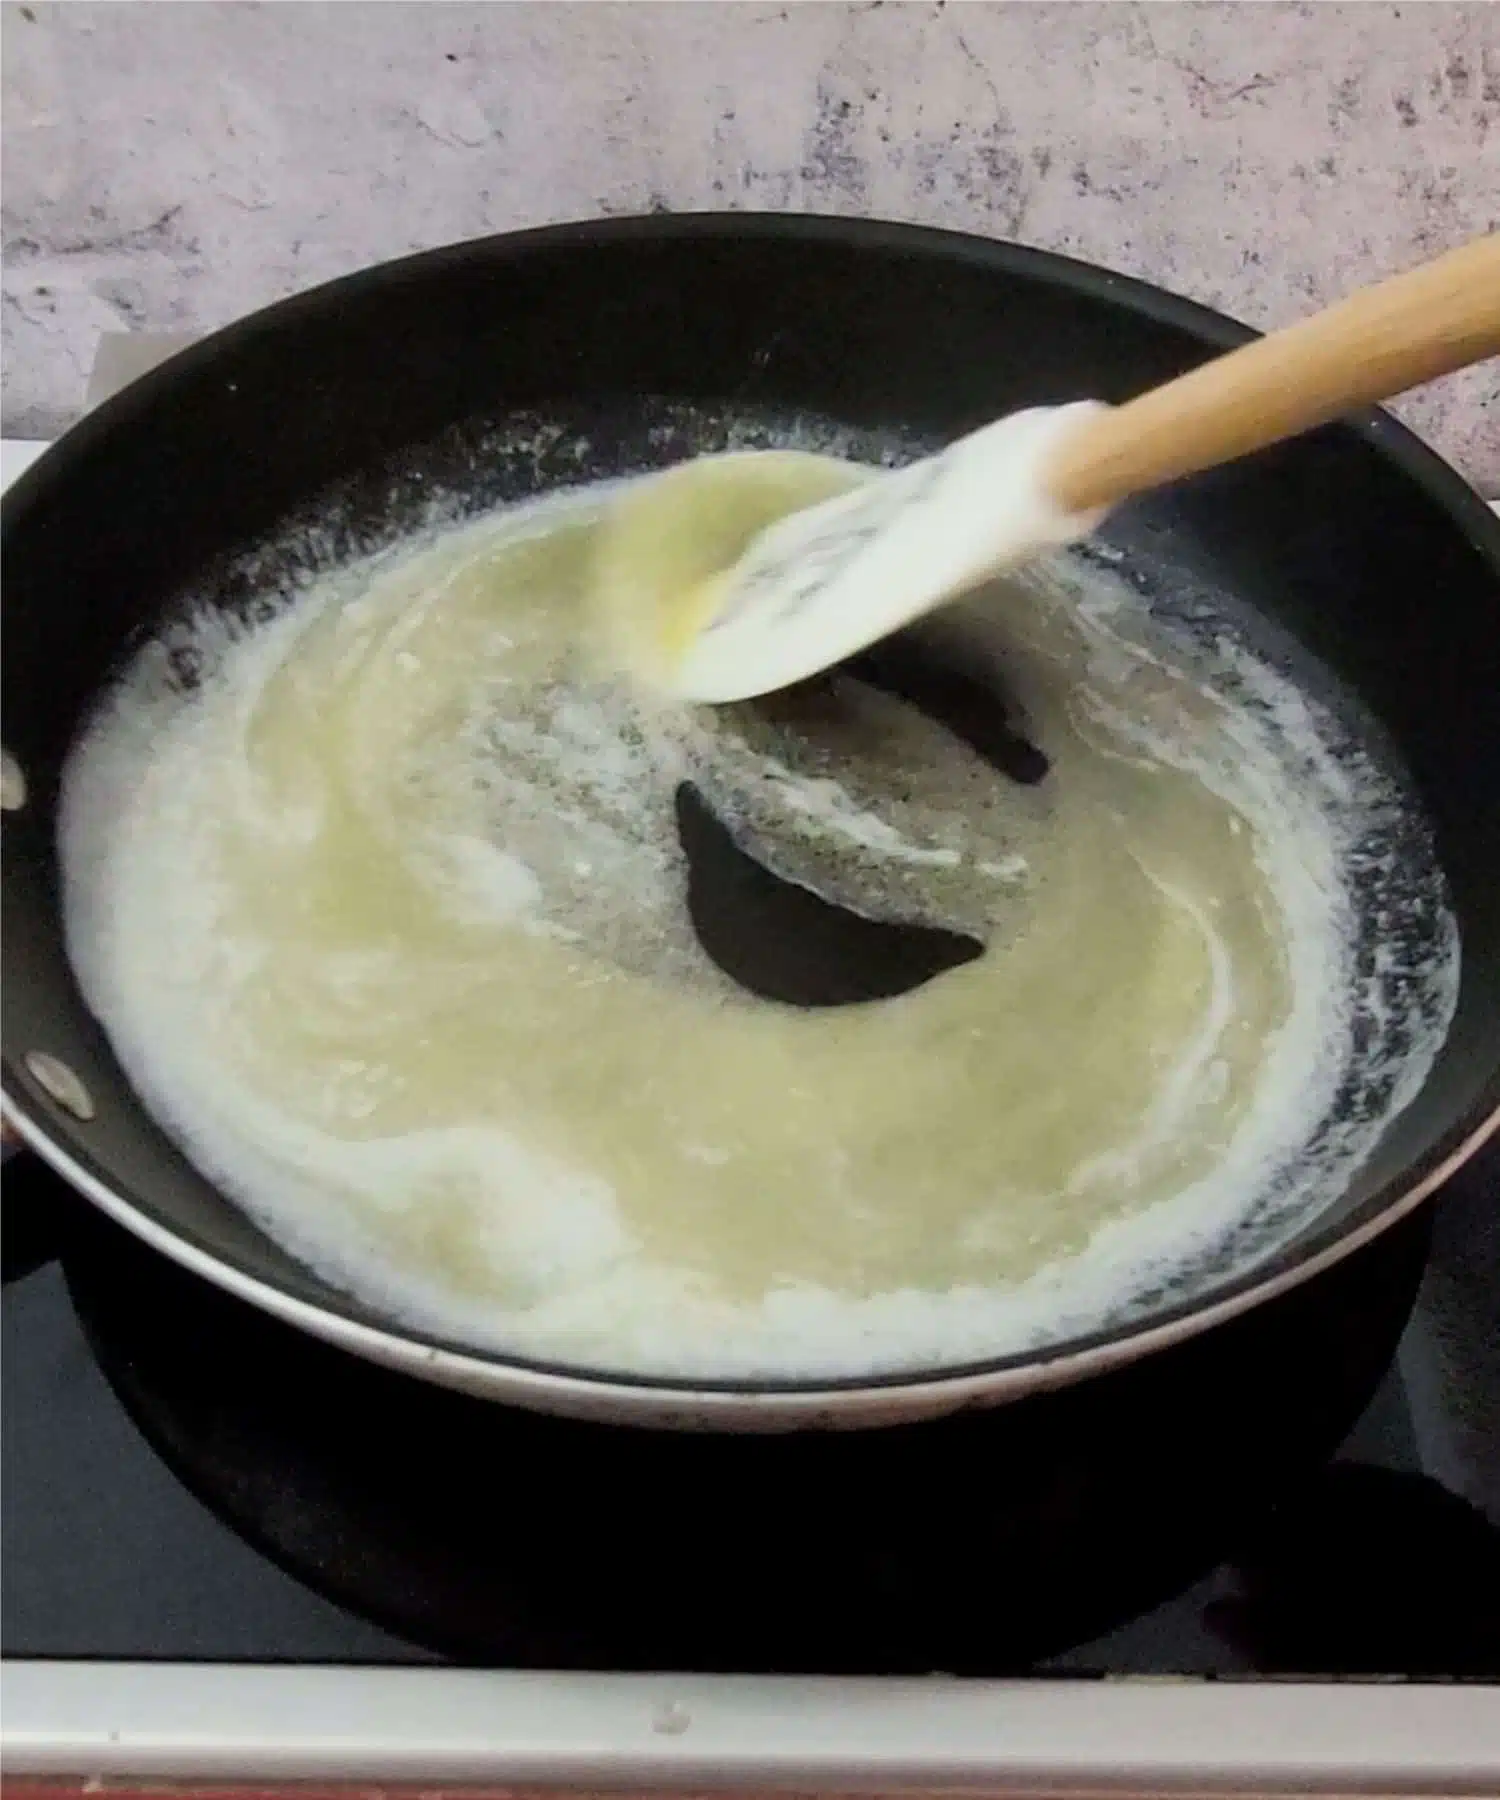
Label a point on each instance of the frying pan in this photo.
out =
(377, 389)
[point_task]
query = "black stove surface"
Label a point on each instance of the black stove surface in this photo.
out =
(184, 1479)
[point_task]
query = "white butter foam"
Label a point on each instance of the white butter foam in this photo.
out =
(382, 911)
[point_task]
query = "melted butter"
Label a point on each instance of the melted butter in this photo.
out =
(388, 918)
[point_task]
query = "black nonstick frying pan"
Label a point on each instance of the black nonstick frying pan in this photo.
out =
(1375, 556)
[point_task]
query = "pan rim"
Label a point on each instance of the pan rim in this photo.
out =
(1045, 1368)
(344, 1319)
(1385, 433)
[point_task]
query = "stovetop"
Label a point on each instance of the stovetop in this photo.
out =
(184, 1479)
(234, 1555)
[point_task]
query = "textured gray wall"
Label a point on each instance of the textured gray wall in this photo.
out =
(169, 166)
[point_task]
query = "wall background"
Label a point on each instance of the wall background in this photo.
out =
(170, 166)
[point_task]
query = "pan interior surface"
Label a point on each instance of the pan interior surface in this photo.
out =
(327, 428)
(527, 1063)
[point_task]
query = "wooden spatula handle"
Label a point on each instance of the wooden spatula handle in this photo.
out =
(1378, 342)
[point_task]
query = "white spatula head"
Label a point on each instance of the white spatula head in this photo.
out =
(833, 578)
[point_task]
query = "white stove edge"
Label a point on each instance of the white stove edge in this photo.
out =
(16, 455)
(437, 1725)
(257, 1722)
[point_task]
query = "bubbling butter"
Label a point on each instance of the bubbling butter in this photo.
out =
(383, 911)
